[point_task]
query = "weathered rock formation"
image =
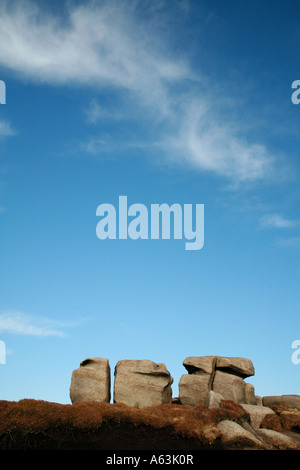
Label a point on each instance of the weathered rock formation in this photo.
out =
(141, 383)
(91, 382)
(210, 380)
(223, 375)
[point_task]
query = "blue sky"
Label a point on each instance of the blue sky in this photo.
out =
(183, 102)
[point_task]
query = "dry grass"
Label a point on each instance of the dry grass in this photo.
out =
(40, 424)
(285, 419)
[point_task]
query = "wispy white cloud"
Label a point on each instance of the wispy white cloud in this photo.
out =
(95, 146)
(5, 129)
(215, 147)
(19, 323)
(94, 112)
(291, 242)
(98, 45)
(277, 221)
(107, 46)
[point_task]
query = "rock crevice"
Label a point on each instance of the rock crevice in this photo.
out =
(223, 375)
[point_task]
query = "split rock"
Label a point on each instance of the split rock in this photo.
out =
(223, 375)
(239, 366)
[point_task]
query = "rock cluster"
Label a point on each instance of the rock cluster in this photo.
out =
(137, 383)
(223, 375)
(142, 383)
(209, 380)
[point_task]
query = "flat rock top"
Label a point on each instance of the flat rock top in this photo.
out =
(143, 366)
(240, 366)
(199, 364)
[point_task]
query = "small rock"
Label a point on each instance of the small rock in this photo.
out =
(257, 414)
(258, 400)
(213, 399)
(250, 394)
(176, 401)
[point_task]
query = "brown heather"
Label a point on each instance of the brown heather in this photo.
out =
(35, 424)
(95, 425)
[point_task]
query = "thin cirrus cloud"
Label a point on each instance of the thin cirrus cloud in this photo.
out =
(94, 112)
(98, 45)
(277, 221)
(106, 46)
(5, 129)
(292, 242)
(21, 324)
(214, 147)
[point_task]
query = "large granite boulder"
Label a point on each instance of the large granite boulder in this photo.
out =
(223, 375)
(91, 382)
(141, 383)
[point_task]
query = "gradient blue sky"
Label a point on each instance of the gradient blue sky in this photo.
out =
(162, 101)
